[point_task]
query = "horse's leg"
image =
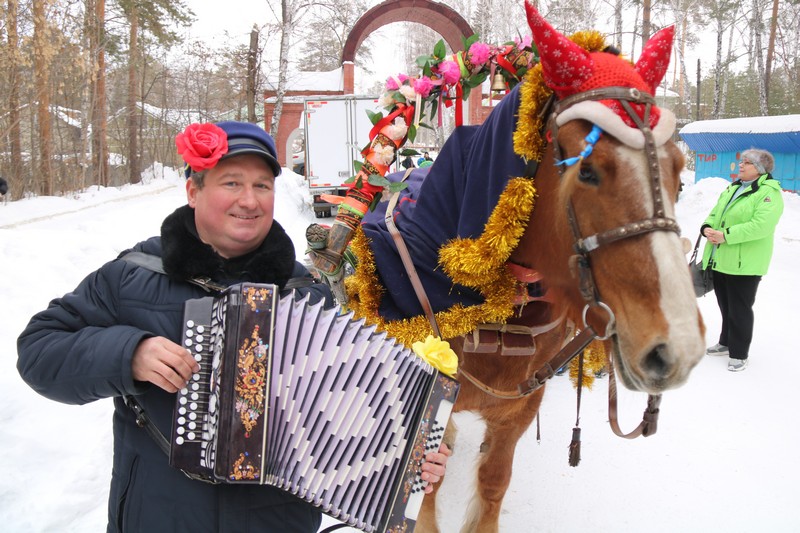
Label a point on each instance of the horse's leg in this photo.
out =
(426, 521)
(505, 424)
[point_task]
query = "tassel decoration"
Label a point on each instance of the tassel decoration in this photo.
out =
(575, 447)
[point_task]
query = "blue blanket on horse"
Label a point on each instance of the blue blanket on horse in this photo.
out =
(451, 199)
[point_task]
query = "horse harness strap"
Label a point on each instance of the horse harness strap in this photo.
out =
(588, 244)
(511, 339)
(408, 263)
(537, 381)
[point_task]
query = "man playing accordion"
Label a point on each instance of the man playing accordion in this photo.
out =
(116, 335)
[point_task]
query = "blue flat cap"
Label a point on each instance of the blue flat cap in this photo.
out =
(247, 138)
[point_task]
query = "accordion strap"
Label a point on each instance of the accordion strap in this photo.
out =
(154, 263)
(143, 421)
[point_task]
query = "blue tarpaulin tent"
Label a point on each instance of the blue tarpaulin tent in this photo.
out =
(718, 143)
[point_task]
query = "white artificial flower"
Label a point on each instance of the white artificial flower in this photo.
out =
(385, 154)
(408, 92)
(397, 130)
(385, 100)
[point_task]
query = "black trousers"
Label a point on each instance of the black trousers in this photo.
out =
(735, 297)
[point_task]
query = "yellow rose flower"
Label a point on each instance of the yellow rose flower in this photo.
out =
(438, 354)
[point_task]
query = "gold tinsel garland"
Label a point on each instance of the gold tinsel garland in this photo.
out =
(594, 361)
(476, 263)
(365, 291)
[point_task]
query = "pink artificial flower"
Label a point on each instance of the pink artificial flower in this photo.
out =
(391, 84)
(423, 86)
(479, 53)
(449, 71)
(394, 82)
(524, 43)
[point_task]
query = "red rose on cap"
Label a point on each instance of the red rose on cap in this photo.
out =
(202, 145)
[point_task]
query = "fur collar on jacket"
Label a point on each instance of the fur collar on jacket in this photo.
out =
(185, 256)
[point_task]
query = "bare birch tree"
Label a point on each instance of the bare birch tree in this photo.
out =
(758, 27)
(20, 181)
(723, 14)
(291, 14)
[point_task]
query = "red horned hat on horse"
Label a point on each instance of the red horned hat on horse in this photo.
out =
(570, 70)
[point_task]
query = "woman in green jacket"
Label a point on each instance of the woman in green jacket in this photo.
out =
(740, 230)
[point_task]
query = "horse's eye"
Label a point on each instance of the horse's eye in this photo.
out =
(587, 175)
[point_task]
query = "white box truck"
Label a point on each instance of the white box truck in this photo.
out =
(336, 129)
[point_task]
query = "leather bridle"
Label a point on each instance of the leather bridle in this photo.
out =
(657, 222)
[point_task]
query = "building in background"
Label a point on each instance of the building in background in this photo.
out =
(718, 143)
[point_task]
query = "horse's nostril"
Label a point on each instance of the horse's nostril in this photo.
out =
(656, 363)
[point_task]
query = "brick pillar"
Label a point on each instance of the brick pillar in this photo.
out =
(349, 72)
(290, 118)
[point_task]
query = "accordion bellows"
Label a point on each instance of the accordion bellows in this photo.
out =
(308, 400)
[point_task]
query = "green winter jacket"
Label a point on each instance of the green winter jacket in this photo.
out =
(749, 227)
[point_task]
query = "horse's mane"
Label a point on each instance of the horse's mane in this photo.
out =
(472, 262)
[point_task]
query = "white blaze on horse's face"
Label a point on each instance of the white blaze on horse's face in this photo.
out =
(658, 349)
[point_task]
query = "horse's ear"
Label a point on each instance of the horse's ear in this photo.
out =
(565, 65)
(654, 61)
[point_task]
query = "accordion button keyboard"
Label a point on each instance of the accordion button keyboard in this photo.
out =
(190, 397)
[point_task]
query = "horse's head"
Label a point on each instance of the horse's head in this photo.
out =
(613, 202)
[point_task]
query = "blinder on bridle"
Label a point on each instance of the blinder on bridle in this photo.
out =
(658, 222)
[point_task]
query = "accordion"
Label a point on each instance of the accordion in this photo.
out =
(311, 401)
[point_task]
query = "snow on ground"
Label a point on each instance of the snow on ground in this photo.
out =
(724, 458)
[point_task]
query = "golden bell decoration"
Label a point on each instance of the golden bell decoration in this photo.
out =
(498, 83)
(498, 88)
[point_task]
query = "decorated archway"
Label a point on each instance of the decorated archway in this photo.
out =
(438, 17)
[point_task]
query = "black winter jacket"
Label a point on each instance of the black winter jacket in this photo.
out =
(80, 350)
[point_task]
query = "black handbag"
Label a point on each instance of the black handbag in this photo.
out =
(703, 280)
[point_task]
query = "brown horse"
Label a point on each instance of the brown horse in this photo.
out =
(628, 279)
(511, 257)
